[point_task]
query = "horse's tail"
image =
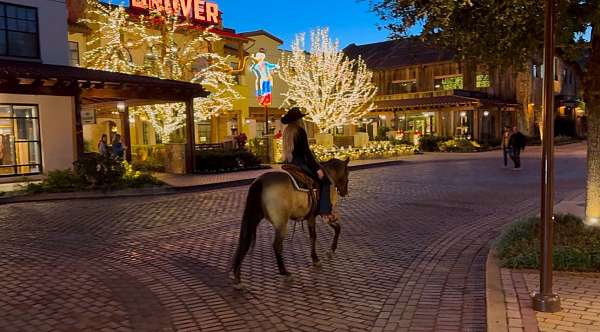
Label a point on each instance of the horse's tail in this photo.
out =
(253, 214)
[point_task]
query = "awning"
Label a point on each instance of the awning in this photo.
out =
(93, 86)
(458, 100)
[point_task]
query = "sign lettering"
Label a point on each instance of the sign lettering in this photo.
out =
(196, 10)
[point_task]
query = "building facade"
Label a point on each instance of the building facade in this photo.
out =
(32, 125)
(423, 90)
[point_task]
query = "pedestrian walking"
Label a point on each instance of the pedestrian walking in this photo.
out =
(103, 145)
(516, 143)
(505, 148)
(118, 150)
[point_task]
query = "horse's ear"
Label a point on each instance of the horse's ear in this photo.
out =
(347, 161)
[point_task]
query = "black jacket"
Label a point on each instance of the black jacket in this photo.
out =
(517, 141)
(302, 156)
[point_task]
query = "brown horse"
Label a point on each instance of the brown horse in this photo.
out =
(274, 197)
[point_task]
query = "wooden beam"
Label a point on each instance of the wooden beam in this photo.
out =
(78, 125)
(126, 133)
(190, 160)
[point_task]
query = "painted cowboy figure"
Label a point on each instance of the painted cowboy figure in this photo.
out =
(296, 151)
(263, 71)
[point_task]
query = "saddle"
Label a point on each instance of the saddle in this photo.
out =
(306, 183)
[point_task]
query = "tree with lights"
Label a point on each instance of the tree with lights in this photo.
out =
(117, 33)
(332, 89)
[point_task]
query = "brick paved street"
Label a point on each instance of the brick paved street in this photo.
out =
(411, 258)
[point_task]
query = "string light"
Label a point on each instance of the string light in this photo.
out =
(332, 89)
(115, 34)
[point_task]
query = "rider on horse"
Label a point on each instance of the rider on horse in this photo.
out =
(296, 151)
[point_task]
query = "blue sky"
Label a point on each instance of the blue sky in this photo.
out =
(348, 20)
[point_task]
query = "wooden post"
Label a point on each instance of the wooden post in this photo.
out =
(78, 124)
(190, 139)
(126, 133)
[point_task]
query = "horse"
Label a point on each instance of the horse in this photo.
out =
(274, 197)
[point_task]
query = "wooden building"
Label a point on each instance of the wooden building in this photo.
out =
(423, 90)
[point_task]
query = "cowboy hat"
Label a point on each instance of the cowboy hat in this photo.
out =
(292, 115)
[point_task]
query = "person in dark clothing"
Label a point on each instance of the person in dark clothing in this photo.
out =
(505, 149)
(296, 151)
(516, 143)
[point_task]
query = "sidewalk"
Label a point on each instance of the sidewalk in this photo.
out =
(509, 294)
(185, 183)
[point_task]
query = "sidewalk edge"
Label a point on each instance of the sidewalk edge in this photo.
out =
(158, 191)
(495, 304)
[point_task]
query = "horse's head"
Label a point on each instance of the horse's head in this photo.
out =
(339, 173)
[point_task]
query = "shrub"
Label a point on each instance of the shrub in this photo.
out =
(429, 143)
(58, 181)
(99, 171)
(223, 161)
(459, 145)
(577, 246)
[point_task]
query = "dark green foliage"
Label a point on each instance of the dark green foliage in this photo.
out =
(58, 181)
(458, 145)
(429, 143)
(225, 161)
(93, 172)
(100, 171)
(577, 246)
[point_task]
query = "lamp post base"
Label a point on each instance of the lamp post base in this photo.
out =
(546, 303)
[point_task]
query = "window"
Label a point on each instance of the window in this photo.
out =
(74, 54)
(448, 83)
(19, 31)
(403, 87)
(145, 133)
(483, 81)
(20, 149)
(203, 132)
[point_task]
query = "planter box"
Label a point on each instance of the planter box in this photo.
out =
(361, 140)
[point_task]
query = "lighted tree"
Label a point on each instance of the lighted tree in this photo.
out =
(509, 33)
(332, 89)
(113, 37)
(167, 57)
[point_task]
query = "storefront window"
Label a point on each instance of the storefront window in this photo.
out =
(20, 151)
(204, 132)
(74, 54)
(19, 31)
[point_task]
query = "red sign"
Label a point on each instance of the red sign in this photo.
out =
(195, 10)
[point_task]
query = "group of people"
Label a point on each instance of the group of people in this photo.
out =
(513, 143)
(117, 149)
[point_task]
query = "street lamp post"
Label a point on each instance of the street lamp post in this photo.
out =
(546, 300)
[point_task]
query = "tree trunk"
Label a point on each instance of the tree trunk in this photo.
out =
(592, 98)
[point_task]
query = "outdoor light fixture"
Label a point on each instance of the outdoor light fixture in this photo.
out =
(382, 117)
(121, 106)
(486, 113)
(248, 121)
(463, 114)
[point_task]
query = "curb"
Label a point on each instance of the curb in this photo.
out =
(158, 191)
(494, 295)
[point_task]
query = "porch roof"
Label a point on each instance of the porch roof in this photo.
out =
(457, 98)
(94, 86)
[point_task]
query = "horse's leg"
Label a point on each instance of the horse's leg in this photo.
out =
(312, 231)
(337, 229)
(278, 247)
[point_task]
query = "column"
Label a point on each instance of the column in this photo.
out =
(126, 133)
(190, 139)
(78, 125)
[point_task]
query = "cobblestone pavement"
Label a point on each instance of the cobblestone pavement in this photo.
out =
(580, 301)
(411, 257)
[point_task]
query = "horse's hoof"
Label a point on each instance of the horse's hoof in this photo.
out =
(239, 286)
(317, 264)
(330, 254)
